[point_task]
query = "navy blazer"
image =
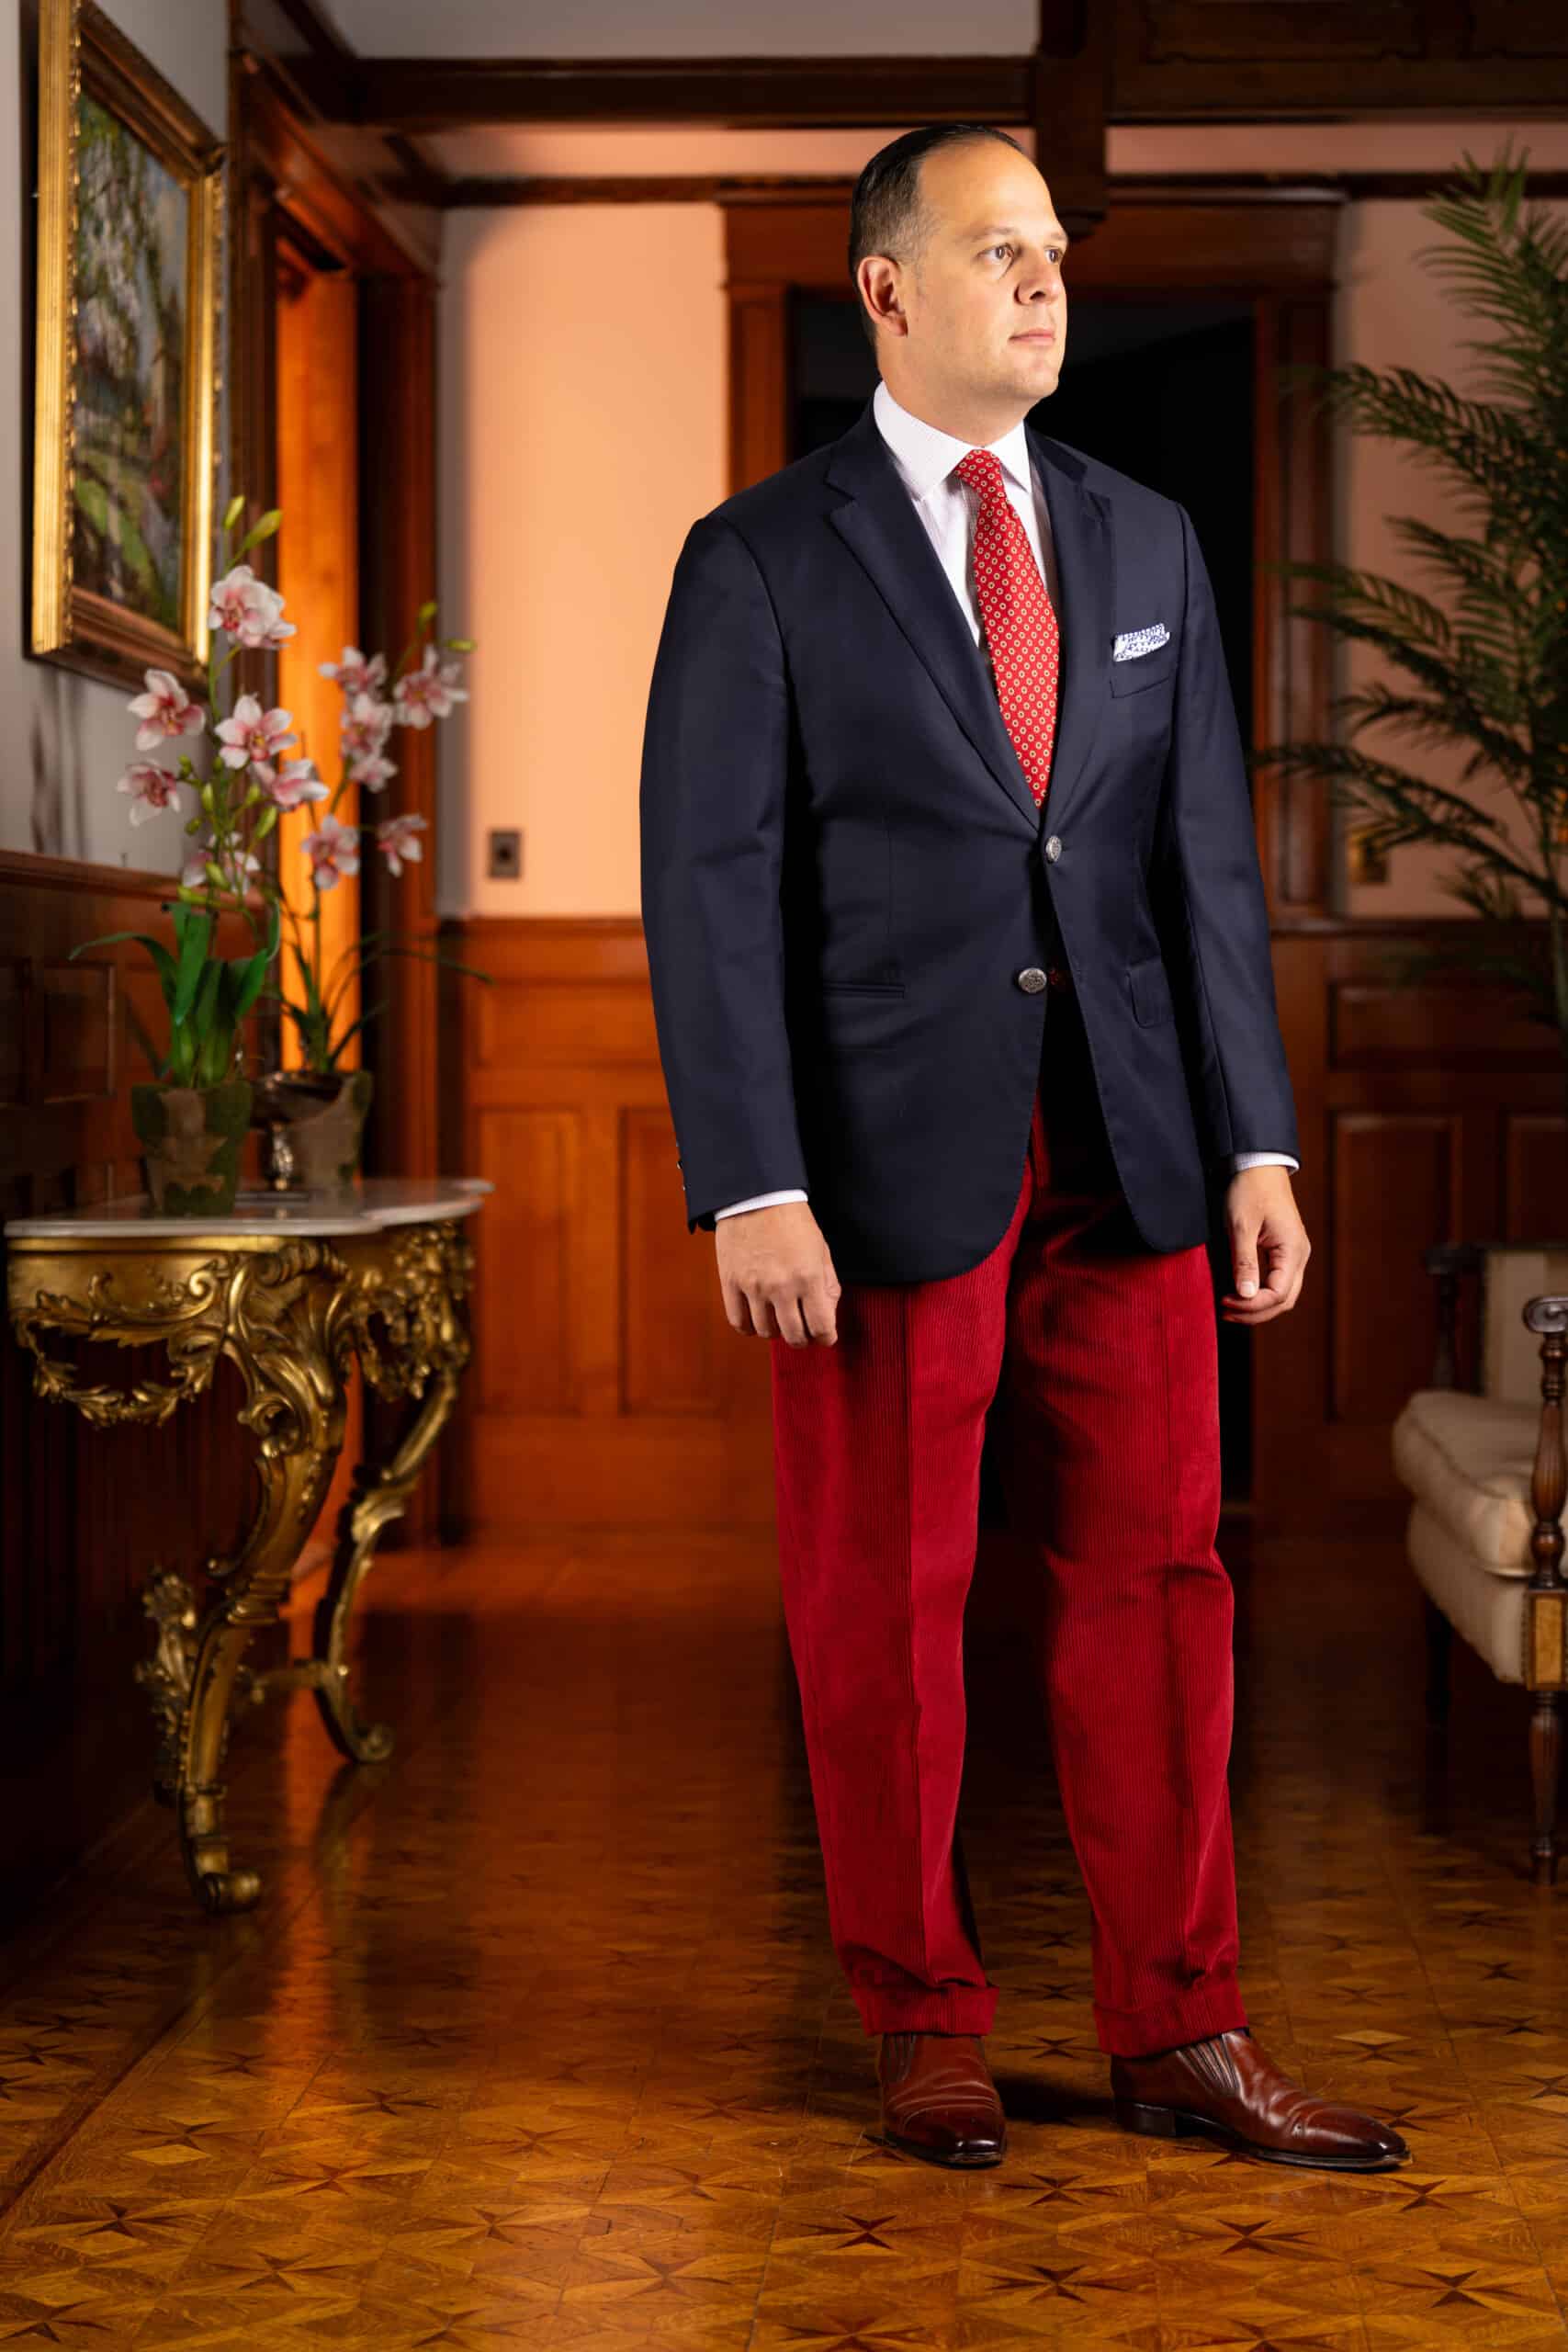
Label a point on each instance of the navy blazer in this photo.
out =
(844, 874)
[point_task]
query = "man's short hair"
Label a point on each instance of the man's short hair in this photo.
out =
(887, 214)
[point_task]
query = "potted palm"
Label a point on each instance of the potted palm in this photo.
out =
(1482, 664)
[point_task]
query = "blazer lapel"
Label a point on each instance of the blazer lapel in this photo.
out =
(1086, 581)
(880, 526)
(878, 523)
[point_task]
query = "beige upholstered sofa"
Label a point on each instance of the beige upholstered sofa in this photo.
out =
(1485, 1467)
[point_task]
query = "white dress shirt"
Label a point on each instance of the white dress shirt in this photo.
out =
(925, 458)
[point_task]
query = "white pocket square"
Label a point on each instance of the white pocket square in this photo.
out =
(1134, 641)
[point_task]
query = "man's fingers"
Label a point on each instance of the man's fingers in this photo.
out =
(791, 1327)
(777, 1277)
(1286, 1268)
(1244, 1258)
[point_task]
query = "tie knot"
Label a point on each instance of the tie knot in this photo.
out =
(981, 468)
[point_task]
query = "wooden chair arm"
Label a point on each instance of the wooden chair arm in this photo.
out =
(1547, 1316)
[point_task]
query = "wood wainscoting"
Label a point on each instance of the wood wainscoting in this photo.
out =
(608, 1386)
(1427, 1112)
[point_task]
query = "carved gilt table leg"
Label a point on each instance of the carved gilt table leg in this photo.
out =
(412, 1281)
(281, 1312)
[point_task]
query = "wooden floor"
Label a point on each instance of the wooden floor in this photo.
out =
(536, 2037)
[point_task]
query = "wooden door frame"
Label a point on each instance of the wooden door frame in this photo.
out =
(282, 184)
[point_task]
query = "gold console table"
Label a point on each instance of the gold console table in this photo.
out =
(291, 1287)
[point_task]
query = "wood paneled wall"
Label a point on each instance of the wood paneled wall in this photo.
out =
(607, 1385)
(1427, 1113)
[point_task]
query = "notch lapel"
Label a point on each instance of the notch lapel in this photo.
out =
(878, 523)
(1086, 580)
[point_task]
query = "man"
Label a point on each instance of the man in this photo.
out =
(960, 973)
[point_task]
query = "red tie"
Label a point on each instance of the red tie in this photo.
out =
(1020, 622)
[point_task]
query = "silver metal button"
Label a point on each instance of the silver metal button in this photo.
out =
(1032, 979)
(1053, 847)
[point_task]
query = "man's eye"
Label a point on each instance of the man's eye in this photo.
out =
(999, 249)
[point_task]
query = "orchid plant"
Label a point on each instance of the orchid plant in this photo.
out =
(249, 781)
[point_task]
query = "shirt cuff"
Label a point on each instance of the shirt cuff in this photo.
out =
(758, 1201)
(1241, 1160)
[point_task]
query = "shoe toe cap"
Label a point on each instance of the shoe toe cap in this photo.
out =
(1346, 2131)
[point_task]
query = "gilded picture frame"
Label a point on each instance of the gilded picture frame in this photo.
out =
(130, 230)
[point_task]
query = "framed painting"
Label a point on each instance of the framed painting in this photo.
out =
(130, 224)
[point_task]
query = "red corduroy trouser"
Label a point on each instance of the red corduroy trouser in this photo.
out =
(1102, 1358)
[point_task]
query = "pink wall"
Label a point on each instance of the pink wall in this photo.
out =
(583, 401)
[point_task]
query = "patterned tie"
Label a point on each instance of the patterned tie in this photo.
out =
(1020, 622)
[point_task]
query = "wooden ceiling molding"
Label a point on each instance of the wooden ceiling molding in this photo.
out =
(360, 194)
(421, 93)
(1214, 61)
(1095, 62)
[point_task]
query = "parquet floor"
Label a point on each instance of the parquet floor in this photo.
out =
(537, 2038)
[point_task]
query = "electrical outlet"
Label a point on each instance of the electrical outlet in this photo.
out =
(505, 854)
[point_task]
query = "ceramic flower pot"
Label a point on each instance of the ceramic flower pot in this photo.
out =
(315, 1128)
(190, 1138)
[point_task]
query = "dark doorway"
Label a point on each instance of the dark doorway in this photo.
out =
(1162, 388)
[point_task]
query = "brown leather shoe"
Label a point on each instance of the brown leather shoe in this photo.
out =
(1229, 2089)
(938, 2099)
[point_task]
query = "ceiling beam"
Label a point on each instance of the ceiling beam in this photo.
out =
(418, 93)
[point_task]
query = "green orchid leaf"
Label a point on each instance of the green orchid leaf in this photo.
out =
(375, 1009)
(193, 929)
(157, 1063)
(163, 962)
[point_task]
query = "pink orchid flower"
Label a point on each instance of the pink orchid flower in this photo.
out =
(252, 737)
(365, 727)
(429, 692)
(165, 709)
(355, 674)
(398, 838)
(330, 852)
(296, 781)
(236, 869)
(371, 769)
(246, 609)
(150, 787)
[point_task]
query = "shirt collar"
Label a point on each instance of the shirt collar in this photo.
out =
(925, 455)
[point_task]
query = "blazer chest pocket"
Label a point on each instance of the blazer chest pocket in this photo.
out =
(1142, 671)
(1149, 985)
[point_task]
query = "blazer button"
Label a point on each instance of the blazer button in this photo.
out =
(1053, 847)
(1032, 979)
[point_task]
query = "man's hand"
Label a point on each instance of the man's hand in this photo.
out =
(1269, 1241)
(777, 1276)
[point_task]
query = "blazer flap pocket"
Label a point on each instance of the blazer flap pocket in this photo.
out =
(1150, 986)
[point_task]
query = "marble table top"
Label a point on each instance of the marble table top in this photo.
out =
(375, 1202)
